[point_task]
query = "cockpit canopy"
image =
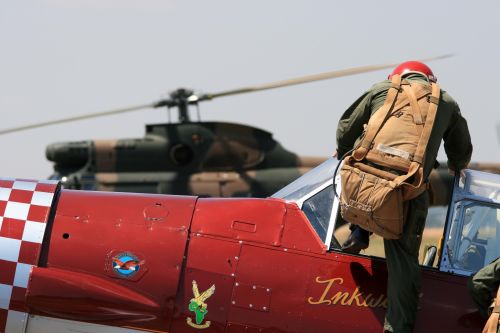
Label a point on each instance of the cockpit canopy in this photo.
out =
(313, 193)
(473, 225)
(471, 231)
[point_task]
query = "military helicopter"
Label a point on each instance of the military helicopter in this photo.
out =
(190, 157)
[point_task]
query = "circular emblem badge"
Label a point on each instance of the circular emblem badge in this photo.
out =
(126, 264)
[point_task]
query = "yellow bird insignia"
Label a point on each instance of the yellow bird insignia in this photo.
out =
(199, 307)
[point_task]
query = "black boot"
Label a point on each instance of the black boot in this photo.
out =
(358, 240)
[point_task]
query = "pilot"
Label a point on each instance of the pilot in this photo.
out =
(404, 281)
(483, 288)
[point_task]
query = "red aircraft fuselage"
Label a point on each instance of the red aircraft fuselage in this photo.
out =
(160, 263)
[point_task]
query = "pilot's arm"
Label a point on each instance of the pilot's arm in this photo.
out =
(350, 126)
(457, 141)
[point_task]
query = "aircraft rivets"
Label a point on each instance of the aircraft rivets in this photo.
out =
(233, 302)
(286, 250)
(264, 308)
(236, 284)
(250, 305)
(254, 287)
(232, 274)
(268, 290)
(241, 242)
(236, 258)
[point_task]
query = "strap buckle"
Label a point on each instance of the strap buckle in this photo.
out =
(432, 99)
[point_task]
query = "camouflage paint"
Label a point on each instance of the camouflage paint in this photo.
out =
(207, 159)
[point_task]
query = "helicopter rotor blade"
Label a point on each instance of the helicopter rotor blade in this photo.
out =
(309, 78)
(193, 99)
(76, 118)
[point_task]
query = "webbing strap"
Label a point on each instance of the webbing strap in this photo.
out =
(420, 92)
(360, 153)
(429, 124)
(411, 191)
(415, 108)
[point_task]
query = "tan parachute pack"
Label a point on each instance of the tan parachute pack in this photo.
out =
(386, 168)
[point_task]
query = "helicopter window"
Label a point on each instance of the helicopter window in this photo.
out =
(318, 210)
(474, 237)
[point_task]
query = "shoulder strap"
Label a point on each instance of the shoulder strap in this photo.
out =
(429, 124)
(415, 108)
(392, 94)
(418, 159)
(420, 92)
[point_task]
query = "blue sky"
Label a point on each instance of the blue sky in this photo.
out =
(64, 58)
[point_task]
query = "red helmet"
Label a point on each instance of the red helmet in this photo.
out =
(413, 67)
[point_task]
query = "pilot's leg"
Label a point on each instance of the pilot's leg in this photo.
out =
(404, 280)
(482, 285)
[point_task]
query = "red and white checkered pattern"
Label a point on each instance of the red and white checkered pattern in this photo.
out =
(24, 211)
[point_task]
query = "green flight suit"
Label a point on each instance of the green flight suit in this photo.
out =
(483, 286)
(404, 281)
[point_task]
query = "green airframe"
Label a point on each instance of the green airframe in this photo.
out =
(195, 158)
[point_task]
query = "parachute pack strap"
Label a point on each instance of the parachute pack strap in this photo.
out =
(374, 171)
(412, 170)
(416, 187)
(429, 124)
(392, 94)
(420, 92)
(415, 108)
